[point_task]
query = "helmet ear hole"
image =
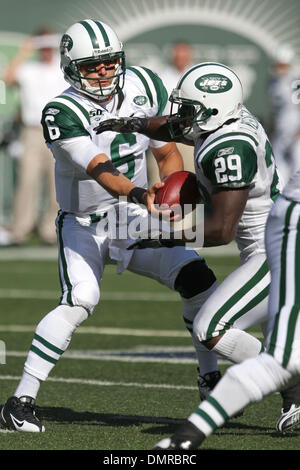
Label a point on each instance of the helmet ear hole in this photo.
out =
(214, 112)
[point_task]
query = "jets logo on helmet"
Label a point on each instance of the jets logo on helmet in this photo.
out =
(66, 43)
(213, 83)
(88, 43)
(207, 95)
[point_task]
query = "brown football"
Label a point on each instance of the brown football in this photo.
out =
(179, 188)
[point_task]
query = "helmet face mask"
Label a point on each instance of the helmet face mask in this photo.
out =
(84, 46)
(93, 86)
(207, 95)
(190, 113)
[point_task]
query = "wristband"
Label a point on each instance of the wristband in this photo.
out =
(136, 195)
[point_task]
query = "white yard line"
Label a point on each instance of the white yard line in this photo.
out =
(104, 331)
(120, 356)
(110, 331)
(104, 383)
(113, 295)
(39, 253)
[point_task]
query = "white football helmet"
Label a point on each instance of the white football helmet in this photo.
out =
(89, 42)
(207, 95)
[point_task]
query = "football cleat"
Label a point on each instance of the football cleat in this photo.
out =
(18, 415)
(289, 419)
(188, 437)
(207, 383)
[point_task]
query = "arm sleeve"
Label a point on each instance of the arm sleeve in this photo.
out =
(79, 150)
(156, 143)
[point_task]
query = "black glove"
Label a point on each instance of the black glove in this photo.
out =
(142, 243)
(123, 125)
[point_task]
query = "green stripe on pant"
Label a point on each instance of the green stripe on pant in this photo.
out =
(63, 258)
(282, 281)
(258, 276)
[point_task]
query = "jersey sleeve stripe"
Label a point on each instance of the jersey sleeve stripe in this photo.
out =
(66, 109)
(161, 92)
(69, 106)
(81, 108)
(232, 134)
(230, 139)
(144, 81)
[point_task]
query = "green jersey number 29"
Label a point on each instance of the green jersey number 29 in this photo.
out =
(228, 169)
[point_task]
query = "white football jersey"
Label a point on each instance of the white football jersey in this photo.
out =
(292, 189)
(235, 156)
(69, 121)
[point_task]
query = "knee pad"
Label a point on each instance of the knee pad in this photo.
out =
(69, 317)
(73, 315)
(86, 295)
(194, 278)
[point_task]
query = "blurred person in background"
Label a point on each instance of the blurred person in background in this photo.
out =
(38, 79)
(181, 58)
(285, 125)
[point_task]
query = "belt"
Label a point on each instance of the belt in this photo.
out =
(97, 218)
(93, 217)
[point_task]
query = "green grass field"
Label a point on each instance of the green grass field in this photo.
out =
(129, 376)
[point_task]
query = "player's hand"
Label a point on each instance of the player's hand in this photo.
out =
(122, 125)
(162, 213)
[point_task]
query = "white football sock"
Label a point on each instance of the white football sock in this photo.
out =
(28, 386)
(237, 345)
(242, 384)
(52, 337)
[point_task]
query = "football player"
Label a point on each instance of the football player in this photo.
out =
(255, 378)
(237, 177)
(91, 172)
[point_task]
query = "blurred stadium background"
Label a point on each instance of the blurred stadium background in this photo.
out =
(244, 34)
(144, 375)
